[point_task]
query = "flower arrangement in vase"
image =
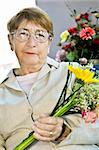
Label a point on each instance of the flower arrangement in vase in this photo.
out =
(81, 42)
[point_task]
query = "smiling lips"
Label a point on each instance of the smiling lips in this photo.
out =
(29, 53)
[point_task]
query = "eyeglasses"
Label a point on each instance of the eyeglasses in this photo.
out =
(23, 35)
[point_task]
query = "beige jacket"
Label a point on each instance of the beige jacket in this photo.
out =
(16, 110)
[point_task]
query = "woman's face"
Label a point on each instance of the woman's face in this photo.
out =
(31, 44)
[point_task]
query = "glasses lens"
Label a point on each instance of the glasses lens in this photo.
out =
(41, 36)
(22, 35)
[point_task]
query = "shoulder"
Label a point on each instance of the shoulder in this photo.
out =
(60, 66)
(5, 70)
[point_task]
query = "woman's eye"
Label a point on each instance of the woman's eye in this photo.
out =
(23, 33)
(41, 35)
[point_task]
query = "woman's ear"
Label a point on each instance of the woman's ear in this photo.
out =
(49, 45)
(10, 39)
(48, 50)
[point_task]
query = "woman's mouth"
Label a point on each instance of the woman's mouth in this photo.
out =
(30, 53)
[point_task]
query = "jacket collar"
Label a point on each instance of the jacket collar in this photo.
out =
(48, 66)
(12, 82)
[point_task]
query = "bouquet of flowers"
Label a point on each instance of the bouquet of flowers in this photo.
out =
(82, 102)
(80, 42)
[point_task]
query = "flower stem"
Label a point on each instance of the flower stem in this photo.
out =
(25, 143)
(30, 139)
(71, 103)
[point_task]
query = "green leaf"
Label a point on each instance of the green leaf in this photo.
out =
(71, 56)
(85, 50)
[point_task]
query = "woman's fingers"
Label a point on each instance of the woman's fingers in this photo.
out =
(44, 126)
(48, 128)
(48, 120)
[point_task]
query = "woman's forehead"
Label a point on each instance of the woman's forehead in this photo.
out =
(30, 25)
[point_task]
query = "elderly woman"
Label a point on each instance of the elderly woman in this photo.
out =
(29, 94)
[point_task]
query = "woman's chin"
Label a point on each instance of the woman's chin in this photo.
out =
(31, 61)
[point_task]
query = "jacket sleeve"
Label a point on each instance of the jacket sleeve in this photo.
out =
(81, 132)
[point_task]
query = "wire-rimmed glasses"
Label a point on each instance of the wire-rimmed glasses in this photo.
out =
(39, 35)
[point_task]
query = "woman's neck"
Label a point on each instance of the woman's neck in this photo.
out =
(26, 70)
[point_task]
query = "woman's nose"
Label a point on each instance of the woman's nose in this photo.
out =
(31, 41)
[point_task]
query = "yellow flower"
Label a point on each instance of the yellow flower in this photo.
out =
(64, 36)
(96, 15)
(84, 74)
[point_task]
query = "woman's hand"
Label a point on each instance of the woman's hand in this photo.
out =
(47, 128)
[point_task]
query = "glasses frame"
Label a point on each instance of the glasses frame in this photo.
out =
(17, 32)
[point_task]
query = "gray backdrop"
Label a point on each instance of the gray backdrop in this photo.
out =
(60, 15)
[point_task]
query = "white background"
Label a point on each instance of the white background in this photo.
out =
(8, 8)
